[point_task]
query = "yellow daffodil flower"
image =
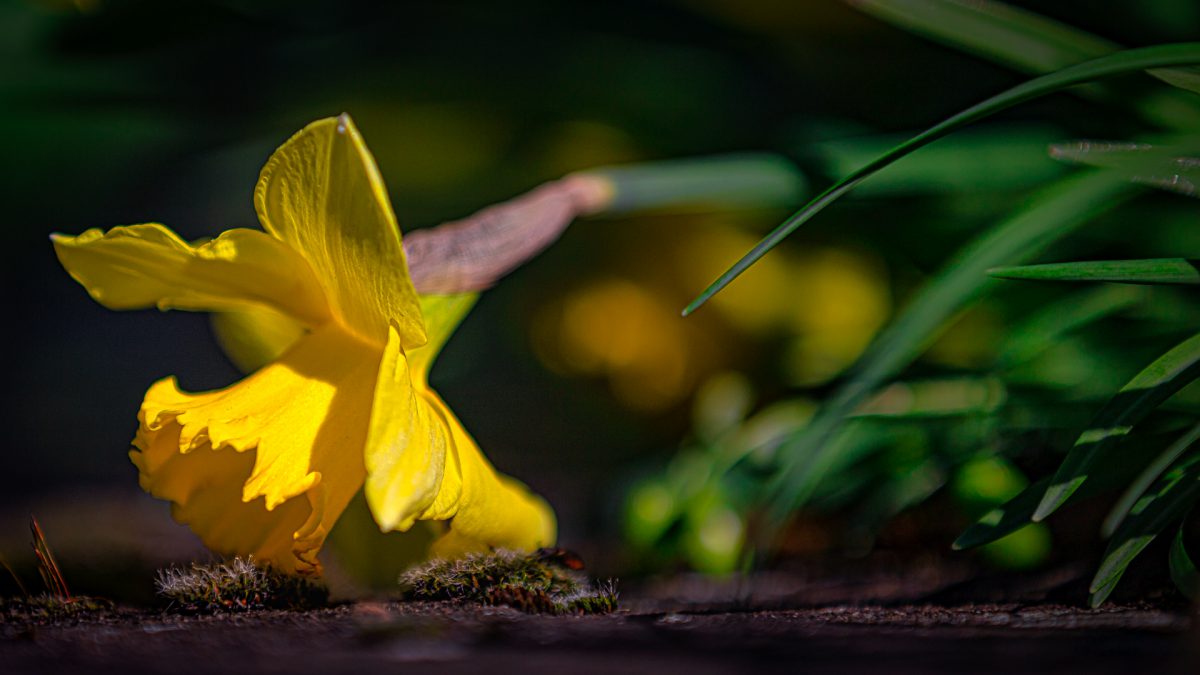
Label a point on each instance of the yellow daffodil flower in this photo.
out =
(265, 467)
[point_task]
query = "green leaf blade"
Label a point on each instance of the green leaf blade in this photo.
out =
(1121, 62)
(1003, 520)
(1170, 498)
(1112, 470)
(1053, 213)
(1052, 322)
(1183, 570)
(1187, 79)
(1145, 392)
(1031, 43)
(751, 180)
(993, 30)
(1172, 166)
(1145, 479)
(1170, 271)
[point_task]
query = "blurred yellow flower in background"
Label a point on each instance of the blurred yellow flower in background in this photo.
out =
(619, 329)
(266, 466)
(826, 303)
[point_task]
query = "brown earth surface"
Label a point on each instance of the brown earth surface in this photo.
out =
(885, 615)
(894, 613)
(421, 637)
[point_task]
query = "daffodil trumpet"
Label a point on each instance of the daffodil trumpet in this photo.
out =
(338, 322)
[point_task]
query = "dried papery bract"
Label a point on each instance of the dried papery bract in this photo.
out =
(473, 253)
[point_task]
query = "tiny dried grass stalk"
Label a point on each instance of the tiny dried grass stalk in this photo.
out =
(52, 576)
(12, 573)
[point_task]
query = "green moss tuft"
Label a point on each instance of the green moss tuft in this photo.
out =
(236, 586)
(46, 607)
(543, 582)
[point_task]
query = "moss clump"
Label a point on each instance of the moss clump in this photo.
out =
(42, 608)
(543, 582)
(236, 586)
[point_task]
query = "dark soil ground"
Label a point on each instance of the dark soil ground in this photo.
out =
(901, 618)
(369, 637)
(897, 613)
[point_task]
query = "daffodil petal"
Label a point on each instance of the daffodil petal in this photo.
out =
(406, 446)
(254, 337)
(423, 465)
(321, 193)
(485, 509)
(141, 266)
(267, 465)
(496, 511)
(412, 430)
(205, 491)
(470, 485)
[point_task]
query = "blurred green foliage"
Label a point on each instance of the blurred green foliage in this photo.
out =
(1018, 398)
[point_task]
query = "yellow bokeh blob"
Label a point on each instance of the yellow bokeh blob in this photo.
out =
(621, 330)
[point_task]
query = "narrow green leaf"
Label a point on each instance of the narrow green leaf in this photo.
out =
(1147, 477)
(1183, 570)
(1112, 471)
(1173, 166)
(1145, 392)
(993, 30)
(1005, 519)
(1168, 501)
(1151, 271)
(1050, 215)
(885, 502)
(1183, 78)
(946, 397)
(1121, 62)
(1049, 324)
(724, 181)
(1030, 43)
(999, 157)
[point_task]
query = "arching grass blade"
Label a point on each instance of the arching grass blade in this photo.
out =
(984, 158)
(1145, 392)
(1184, 78)
(1004, 519)
(1151, 271)
(719, 182)
(1050, 215)
(996, 31)
(1174, 167)
(1183, 570)
(1112, 470)
(1045, 326)
(1121, 62)
(1167, 501)
(1031, 43)
(1147, 477)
